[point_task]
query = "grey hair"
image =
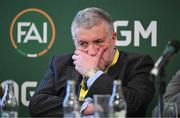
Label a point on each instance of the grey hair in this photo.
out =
(90, 17)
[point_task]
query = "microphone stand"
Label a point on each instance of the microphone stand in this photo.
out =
(161, 90)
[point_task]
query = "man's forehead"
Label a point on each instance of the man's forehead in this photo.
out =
(82, 33)
(90, 37)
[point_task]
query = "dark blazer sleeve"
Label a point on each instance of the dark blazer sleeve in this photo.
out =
(45, 102)
(139, 86)
(172, 93)
(102, 85)
(173, 87)
(49, 95)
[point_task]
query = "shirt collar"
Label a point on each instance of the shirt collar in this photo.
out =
(116, 56)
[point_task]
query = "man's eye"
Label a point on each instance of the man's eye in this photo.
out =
(98, 42)
(83, 44)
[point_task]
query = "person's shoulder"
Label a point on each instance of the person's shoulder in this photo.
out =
(175, 79)
(63, 56)
(177, 75)
(62, 59)
(135, 57)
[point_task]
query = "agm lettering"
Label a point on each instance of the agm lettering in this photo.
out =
(138, 30)
(24, 91)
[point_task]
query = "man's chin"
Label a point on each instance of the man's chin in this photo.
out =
(103, 65)
(103, 68)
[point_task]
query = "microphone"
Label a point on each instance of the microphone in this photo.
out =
(170, 50)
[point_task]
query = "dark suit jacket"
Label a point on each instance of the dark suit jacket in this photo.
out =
(172, 93)
(132, 69)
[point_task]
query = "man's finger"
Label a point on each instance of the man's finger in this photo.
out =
(74, 57)
(101, 51)
(75, 63)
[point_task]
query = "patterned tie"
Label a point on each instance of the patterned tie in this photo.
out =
(85, 83)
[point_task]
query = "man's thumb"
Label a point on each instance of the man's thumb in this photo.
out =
(100, 52)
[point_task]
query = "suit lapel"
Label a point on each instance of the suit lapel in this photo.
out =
(74, 75)
(117, 69)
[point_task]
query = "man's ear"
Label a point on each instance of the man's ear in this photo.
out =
(114, 37)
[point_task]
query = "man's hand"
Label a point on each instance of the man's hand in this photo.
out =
(89, 109)
(84, 62)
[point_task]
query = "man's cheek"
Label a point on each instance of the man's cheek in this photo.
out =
(105, 54)
(83, 50)
(102, 61)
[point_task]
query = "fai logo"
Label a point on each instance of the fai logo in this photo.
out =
(32, 32)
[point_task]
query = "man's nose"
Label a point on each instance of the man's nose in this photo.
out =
(92, 50)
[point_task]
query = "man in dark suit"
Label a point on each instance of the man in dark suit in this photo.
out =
(97, 59)
(172, 93)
